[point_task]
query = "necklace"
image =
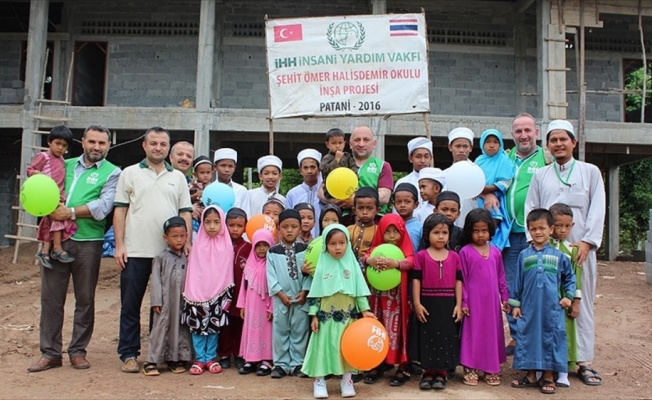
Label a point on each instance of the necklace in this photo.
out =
(483, 252)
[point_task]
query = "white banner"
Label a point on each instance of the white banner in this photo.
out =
(347, 65)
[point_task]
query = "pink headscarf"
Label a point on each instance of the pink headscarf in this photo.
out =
(210, 265)
(255, 270)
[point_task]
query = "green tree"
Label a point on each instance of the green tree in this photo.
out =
(635, 203)
(634, 81)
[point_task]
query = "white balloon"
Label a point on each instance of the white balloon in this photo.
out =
(465, 178)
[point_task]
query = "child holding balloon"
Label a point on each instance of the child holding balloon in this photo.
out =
(338, 294)
(392, 305)
(437, 299)
(208, 290)
(484, 296)
(51, 163)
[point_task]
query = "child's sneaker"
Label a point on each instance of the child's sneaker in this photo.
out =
(347, 386)
(319, 389)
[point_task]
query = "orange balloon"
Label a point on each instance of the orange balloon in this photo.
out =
(260, 221)
(365, 344)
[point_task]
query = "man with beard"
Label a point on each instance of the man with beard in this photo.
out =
(90, 188)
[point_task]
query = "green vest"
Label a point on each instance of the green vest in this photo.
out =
(86, 188)
(368, 175)
(517, 192)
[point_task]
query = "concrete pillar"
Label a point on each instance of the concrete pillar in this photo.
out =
(204, 92)
(543, 23)
(613, 212)
(378, 123)
(551, 62)
(520, 54)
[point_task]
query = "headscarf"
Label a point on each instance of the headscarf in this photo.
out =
(255, 270)
(385, 222)
(497, 167)
(327, 208)
(210, 265)
(337, 276)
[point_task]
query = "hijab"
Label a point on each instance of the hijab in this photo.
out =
(210, 265)
(255, 270)
(497, 167)
(385, 222)
(337, 276)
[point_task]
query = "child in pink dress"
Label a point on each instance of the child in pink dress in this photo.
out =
(256, 306)
(53, 233)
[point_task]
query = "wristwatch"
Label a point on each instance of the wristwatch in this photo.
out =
(73, 215)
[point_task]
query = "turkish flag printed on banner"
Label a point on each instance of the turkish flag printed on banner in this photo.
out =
(288, 33)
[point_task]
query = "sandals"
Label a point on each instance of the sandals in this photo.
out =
(62, 256)
(44, 260)
(176, 367)
(213, 367)
(197, 368)
(548, 387)
(399, 379)
(492, 379)
(149, 369)
(373, 376)
(524, 382)
(470, 377)
(439, 383)
(426, 381)
(586, 373)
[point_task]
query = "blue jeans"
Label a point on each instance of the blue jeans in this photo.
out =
(133, 284)
(517, 243)
(205, 347)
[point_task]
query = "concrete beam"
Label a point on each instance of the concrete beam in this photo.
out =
(613, 213)
(624, 7)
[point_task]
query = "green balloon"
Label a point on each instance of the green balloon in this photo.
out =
(388, 279)
(39, 195)
(314, 250)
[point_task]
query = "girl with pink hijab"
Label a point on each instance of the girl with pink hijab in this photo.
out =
(208, 290)
(255, 305)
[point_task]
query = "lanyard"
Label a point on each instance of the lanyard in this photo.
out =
(565, 182)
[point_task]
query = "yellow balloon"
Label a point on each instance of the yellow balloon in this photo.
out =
(342, 183)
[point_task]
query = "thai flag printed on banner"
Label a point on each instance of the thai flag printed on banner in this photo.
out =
(403, 27)
(288, 33)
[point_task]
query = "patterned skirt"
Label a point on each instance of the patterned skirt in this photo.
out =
(206, 318)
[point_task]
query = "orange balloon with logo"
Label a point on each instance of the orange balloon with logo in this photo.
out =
(365, 344)
(260, 221)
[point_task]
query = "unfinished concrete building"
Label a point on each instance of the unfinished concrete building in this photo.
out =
(197, 67)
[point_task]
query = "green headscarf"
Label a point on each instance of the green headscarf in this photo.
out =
(337, 276)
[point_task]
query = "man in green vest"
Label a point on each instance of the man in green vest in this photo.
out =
(528, 157)
(90, 188)
(372, 172)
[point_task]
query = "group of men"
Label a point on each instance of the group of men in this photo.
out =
(147, 193)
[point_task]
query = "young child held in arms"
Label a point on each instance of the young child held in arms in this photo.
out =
(406, 199)
(431, 183)
(498, 171)
(391, 307)
(562, 216)
(366, 205)
(288, 288)
(336, 157)
(169, 341)
(50, 232)
(256, 307)
(208, 290)
(229, 337)
(535, 299)
(437, 299)
(484, 289)
(338, 294)
(202, 173)
(307, 212)
(448, 204)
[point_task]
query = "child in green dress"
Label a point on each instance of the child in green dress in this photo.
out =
(337, 295)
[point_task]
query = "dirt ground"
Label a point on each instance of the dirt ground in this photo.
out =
(623, 346)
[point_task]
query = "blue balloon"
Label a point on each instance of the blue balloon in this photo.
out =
(218, 194)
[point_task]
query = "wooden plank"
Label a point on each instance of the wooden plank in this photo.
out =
(570, 13)
(16, 237)
(27, 225)
(48, 101)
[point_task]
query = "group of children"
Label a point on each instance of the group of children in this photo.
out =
(289, 315)
(447, 310)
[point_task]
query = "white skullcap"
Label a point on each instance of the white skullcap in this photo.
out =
(266, 161)
(462, 132)
(434, 174)
(225, 154)
(419, 143)
(561, 124)
(309, 153)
